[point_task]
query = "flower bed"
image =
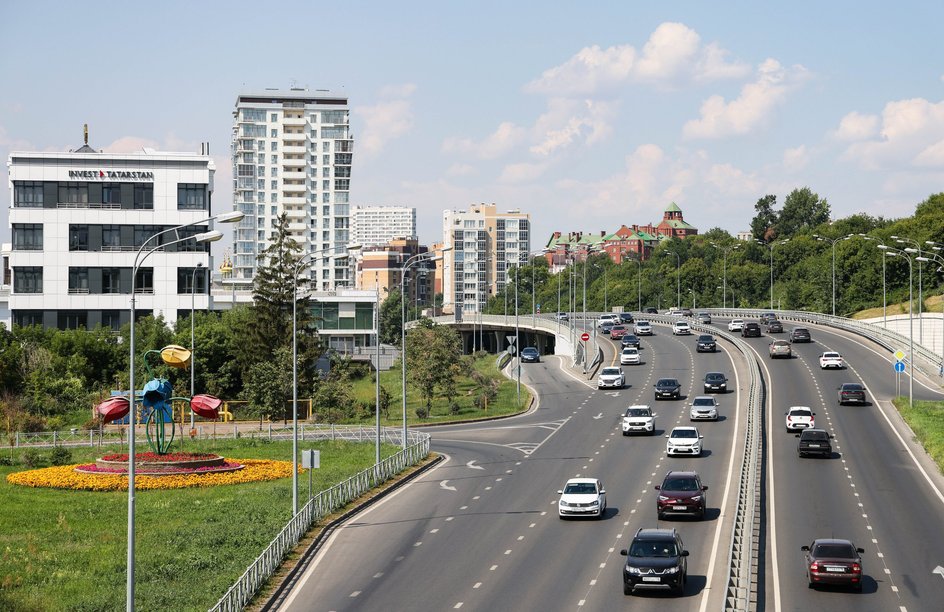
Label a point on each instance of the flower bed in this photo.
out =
(151, 463)
(66, 477)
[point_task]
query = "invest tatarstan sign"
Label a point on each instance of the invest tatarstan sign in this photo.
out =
(112, 175)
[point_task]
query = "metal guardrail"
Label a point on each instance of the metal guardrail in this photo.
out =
(317, 508)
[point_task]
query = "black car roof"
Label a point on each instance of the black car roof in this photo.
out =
(671, 381)
(714, 375)
(654, 534)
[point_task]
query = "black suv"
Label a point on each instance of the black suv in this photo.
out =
(716, 381)
(667, 387)
(705, 343)
(656, 559)
(650, 310)
(626, 317)
(850, 393)
(681, 493)
(774, 326)
(800, 334)
(814, 442)
(751, 330)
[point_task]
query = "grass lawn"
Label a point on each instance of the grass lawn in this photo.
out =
(931, 304)
(66, 550)
(504, 403)
(926, 419)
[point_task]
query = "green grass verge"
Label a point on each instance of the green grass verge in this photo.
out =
(67, 550)
(926, 419)
(505, 403)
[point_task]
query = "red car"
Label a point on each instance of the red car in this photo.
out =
(833, 562)
(681, 493)
(618, 331)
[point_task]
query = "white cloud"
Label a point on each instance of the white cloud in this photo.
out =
(713, 65)
(460, 170)
(590, 70)
(403, 90)
(568, 121)
(910, 134)
(521, 173)
(387, 120)
(856, 126)
(670, 48)
(750, 109)
(505, 138)
(130, 144)
(932, 155)
(796, 158)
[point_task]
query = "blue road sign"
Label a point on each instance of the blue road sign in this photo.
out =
(899, 366)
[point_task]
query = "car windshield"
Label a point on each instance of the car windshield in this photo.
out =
(801, 330)
(637, 412)
(835, 551)
(653, 548)
(684, 433)
(667, 382)
(611, 371)
(629, 351)
(530, 351)
(714, 377)
(680, 484)
(815, 435)
(703, 401)
(616, 327)
(705, 338)
(580, 488)
(830, 355)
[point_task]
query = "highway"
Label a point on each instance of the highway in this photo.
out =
(481, 531)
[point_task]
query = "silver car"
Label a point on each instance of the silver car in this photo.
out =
(704, 408)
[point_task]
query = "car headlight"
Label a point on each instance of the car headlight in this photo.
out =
(563, 504)
(663, 498)
(696, 498)
(633, 570)
(671, 570)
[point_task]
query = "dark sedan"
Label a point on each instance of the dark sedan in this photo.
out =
(774, 326)
(814, 442)
(800, 334)
(530, 354)
(717, 382)
(705, 344)
(833, 562)
(751, 330)
(668, 388)
(606, 326)
(626, 317)
(851, 393)
(629, 340)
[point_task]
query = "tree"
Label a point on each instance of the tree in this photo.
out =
(432, 352)
(269, 386)
(765, 220)
(802, 211)
(391, 318)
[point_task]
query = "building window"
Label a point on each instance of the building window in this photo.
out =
(192, 246)
(73, 193)
(191, 196)
(144, 280)
(72, 319)
(111, 280)
(143, 232)
(274, 185)
(186, 279)
(27, 194)
(78, 280)
(111, 319)
(144, 196)
(28, 279)
(111, 238)
(25, 318)
(274, 133)
(27, 237)
(274, 117)
(78, 238)
(111, 193)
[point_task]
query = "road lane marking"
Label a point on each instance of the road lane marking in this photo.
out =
(444, 484)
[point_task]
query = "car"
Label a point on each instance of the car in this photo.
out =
(681, 328)
(655, 560)
(851, 393)
(626, 317)
(831, 561)
(774, 326)
(642, 328)
(639, 418)
(687, 312)
(675, 311)
(606, 326)
(800, 334)
(681, 493)
(704, 318)
(563, 316)
(667, 387)
(717, 382)
(582, 497)
(618, 331)
(814, 441)
(706, 344)
(704, 407)
(767, 316)
(683, 441)
(607, 318)
(650, 310)
(799, 417)
(750, 330)
(610, 378)
(629, 340)
(629, 356)
(529, 354)
(831, 359)
(780, 348)
(736, 325)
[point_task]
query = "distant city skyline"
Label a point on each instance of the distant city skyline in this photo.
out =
(585, 123)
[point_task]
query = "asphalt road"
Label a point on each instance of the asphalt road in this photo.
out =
(481, 531)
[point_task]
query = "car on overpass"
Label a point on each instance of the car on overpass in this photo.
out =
(799, 417)
(655, 560)
(736, 325)
(639, 418)
(750, 329)
(626, 318)
(774, 326)
(629, 356)
(703, 317)
(833, 562)
(683, 441)
(851, 393)
(681, 493)
(681, 328)
(704, 408)
(611, 378)
(582, 497)
(618, 331)
(667, 388)
(629, 340)
(706, 344)
(780, 348)
(831, 359)
(642, 328)
(716, 382)
(563, 316)
(813, 441)
(800, 334)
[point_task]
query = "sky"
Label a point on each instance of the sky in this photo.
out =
(585, 115)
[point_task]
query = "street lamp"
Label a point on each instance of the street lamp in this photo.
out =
(833, 241)
(427, 256)
(211, 236)
(884, 299)
(724, 282)
(771, 245)
(193, 349)
(905, 254)
(638, 283)
(917, 247)
(678, 278)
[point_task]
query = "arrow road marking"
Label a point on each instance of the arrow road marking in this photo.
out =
(599, 416)
(612, 393)
(446, 486)
(472, 465)
(938, 570)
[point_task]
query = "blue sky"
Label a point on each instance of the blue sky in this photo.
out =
(586, 115)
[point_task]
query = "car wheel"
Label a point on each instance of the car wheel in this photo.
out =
(625, 433)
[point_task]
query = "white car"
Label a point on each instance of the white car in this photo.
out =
(629, 356)
(800, 417)
(704, 407)
(611, 377)
(608, 318)
(639, 418)
(683, 441)
(681, 328)
(736, 325)
(642, 328)
(582, 497)
(831, 359)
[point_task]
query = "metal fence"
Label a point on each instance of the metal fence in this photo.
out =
(317, 508)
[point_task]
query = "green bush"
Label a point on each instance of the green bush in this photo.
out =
(32, 458)
(60, 456)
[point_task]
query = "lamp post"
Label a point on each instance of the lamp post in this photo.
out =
(406, 265)
(638, 283)
(771, 246)
(517, 341)
(905, 254)
(193, 348)
(884, 299)
(678, 278)
(917, 247)
(211, 236)
(833, 241)
(377, 365)
(724, 273)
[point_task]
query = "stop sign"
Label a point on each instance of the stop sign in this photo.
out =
(585, 336)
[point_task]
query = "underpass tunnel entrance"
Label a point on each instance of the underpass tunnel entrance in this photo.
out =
(497, 340)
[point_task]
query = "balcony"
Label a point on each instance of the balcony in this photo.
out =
(293, 201)
(293, 149)
(293, 174)
(294, 121)
(297, 137)
(297, 226)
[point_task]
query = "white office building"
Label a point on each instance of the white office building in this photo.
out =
(378, 225)
(78, 220)
(292, 153)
